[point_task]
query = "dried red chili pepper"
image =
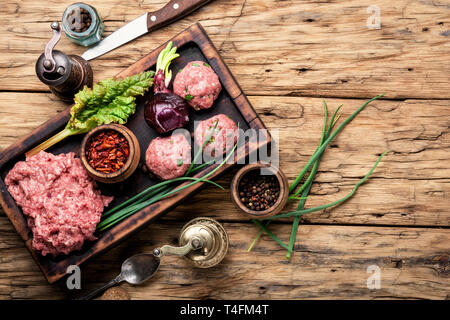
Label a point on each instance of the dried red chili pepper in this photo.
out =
(107, 151)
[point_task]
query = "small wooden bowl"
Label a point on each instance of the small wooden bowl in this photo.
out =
(282, 198)
(130, 165)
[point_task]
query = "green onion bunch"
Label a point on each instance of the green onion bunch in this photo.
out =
(312, 166)
(162, 189)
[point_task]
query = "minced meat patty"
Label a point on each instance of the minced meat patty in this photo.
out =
(168, 157)
(198, 84)
(59, 199)
(224, 137)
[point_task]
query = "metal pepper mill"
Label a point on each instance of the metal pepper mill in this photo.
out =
(203, 242)
(64, 74)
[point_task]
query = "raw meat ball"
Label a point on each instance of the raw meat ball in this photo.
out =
(168, 157)
(198, 84)
(224, 137)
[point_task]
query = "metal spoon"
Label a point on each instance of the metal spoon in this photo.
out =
(135, 270)
(203, 236)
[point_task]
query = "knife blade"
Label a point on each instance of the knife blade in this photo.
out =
(147, 22)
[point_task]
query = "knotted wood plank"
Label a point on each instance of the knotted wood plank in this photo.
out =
(410, 186)
(329, 262)
(272, 47)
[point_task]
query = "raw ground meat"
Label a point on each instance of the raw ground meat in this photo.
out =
(59, 199)
(198, 84)
(168, 157)
(223, 139)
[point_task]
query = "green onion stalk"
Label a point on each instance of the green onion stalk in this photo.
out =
(208, 139)
(163, 74)
(126, 211)
(327, 136)
(160, 190)
(306, 185)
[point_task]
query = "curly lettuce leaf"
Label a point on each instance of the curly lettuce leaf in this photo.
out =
(109, 101)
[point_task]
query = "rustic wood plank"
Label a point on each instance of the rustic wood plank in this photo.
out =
(329, 262)
(289, 48)
(240, 110)
(410, 187)
(273, 48)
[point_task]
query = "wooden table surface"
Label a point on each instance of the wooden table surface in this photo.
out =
(286, 55)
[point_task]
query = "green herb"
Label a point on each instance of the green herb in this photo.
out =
(166, 55)
(273, 236)
(153, 194)
(179, 162)
(306, 187)
(157, 192)
(147, 196)
(206, 65)
(327, 141)
(334, 203)
(326, 138)
(188, 97)
(199, 152)
(201, 166)
(297, 198)
(195, 65)
(108, 101)
(140, 197)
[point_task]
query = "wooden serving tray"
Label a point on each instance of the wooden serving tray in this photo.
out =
(193, 44)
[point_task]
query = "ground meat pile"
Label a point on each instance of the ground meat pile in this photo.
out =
(59, 199)
(168, 157)
(198, 84)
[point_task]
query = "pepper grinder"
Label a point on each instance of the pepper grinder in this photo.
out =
(65, 75)
(203, 242)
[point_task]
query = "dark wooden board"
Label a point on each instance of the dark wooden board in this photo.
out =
(193, 44)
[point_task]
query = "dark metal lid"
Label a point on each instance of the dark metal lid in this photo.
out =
(54, 74)
(53, 67)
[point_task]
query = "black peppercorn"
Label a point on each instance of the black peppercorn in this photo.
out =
(258, 192)
(80, 20)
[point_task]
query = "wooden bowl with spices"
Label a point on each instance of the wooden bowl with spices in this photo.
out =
(110, 153)
(260, 190)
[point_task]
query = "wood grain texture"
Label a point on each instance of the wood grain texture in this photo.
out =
(285, 55)
(315, 48)
(410, 187)
(329, 262)
(194, 44)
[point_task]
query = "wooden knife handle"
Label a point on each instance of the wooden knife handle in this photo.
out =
(171, 12)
